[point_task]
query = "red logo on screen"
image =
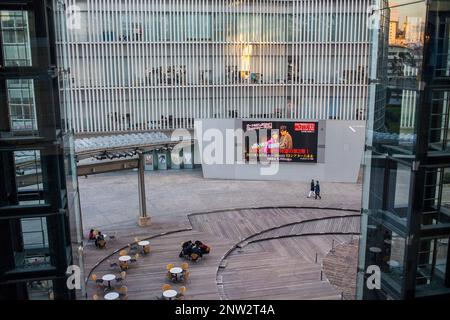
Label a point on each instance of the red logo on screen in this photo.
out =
(305, 126)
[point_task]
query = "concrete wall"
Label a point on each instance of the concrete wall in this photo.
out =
(340, 150)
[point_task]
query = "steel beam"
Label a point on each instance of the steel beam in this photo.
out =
(108, 166)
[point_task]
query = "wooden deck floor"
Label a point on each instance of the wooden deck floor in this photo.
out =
(340, 267)
(222, 231)
(280, 269)
(240, 224)
(341, 225)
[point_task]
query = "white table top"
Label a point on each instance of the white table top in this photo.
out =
(111, 296)
(108, 277)
(169, 293)
(388, 241)
(375, 249)
(393, 263)
(371, 226)
(144, 243)
(124, 258)
(176, 270)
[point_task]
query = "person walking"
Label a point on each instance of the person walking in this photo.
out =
(317, 190)
(311, 189)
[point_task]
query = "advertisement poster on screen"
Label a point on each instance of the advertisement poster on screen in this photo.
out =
(283, 141)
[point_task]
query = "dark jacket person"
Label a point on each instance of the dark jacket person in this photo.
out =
(317, 190)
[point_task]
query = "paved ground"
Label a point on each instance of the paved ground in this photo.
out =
(112, 199)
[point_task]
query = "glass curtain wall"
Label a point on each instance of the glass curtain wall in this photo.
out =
(405, 224)
(38, 190)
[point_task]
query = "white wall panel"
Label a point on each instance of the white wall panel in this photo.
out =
(157, 64)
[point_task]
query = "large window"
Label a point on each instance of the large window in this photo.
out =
(21, 102)
(29, 176)
(386, 249)
(436, 202)
(432, 264)
(40, 290)
(439, 122)
(32, 252)
(34, 232)
(16, 38)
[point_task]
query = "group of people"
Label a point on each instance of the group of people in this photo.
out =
(194, 250)
(98, 238)
(314, 190)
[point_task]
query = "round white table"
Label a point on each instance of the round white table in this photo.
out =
(124, 258)
(109, 278)
(371, 226)
(111, 296)
(375, 249)
(176, 271)
(145, 246)
(169, 294)
(387, 241)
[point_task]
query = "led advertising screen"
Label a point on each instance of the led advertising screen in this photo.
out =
(284, 141)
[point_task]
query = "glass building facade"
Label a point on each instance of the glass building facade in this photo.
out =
(406, 192)
(158, 64)
(40, 226)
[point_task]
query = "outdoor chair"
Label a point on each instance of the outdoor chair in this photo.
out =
(96, 280)
(186, 275)
(121, 277)
(123, 291)
(165, 287)
(184, 266)
(194, 257)
(168, 267)
(101, 244)
(181, 293)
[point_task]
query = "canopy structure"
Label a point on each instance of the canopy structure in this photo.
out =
(118, 141)
(123, 145)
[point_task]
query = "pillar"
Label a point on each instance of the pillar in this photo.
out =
(144, 220)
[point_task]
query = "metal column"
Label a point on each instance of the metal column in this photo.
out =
(144, 220)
